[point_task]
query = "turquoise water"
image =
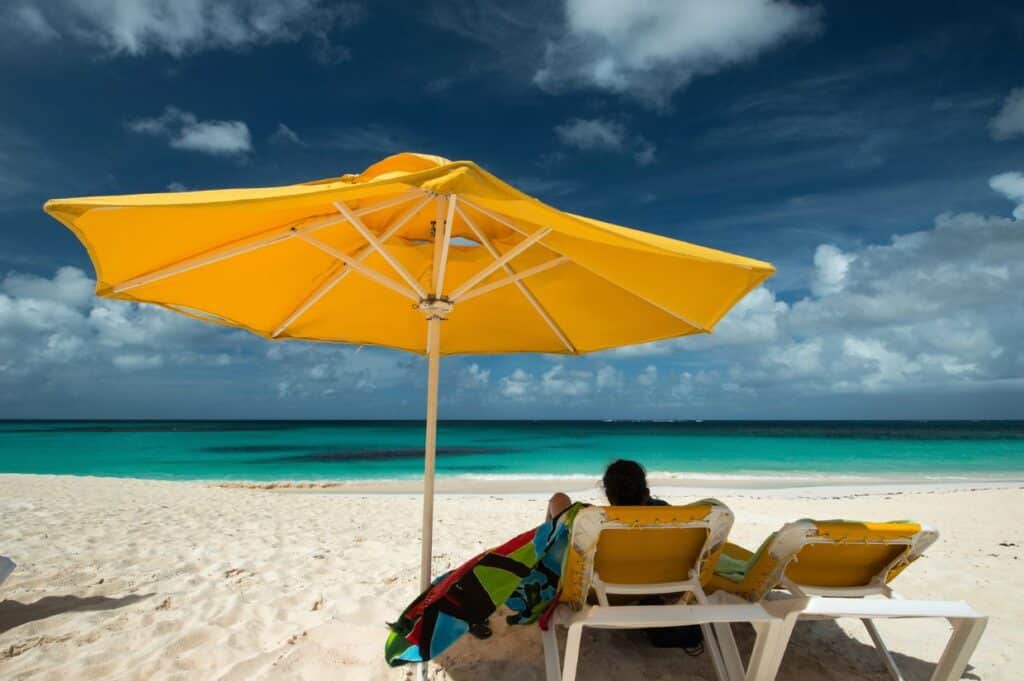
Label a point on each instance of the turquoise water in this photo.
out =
(278, 450)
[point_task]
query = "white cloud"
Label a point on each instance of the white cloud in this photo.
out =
(318, 369)
(830, 268)
(56, 335)
(184, 130)
(1009, 122)
(183, 27)
(648, 377)
(561, 382)
(69, 286)
(474, 377)
(517, 385)
(51, 328)
(608, 378)
(556, 382)
(1011, 185)
(598, 134)
(649, 50)
(932, 311)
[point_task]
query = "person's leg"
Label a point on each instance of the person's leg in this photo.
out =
(558, 502)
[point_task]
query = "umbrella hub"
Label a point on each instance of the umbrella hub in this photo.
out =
(435, 307)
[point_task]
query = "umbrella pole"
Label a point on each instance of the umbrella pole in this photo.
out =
(430, 448)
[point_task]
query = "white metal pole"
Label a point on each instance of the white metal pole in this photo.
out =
(430, 448)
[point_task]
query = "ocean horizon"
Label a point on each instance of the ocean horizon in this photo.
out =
(362, 450)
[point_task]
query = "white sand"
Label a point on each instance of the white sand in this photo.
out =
(130, 579)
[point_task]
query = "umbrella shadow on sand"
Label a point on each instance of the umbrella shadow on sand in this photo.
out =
(818, 649)
(14, 613)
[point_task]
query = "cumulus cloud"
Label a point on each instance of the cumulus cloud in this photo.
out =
(474, 377)
(58, 342)
(648, 377)
(557, 382)
(312, 370)
(599, 134)
(180, 28)
(1009, 122)
(517, 386)
(46, 323)
(930, 310)
(649, 50)
(184, 130)
(1011, 185)
(573, 386)
(831, 266)
(69, 286)
(608, 378)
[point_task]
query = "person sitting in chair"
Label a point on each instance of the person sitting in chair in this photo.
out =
(625, 484)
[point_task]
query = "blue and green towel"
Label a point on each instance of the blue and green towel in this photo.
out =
(522, 573)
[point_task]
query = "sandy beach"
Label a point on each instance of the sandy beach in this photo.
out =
(139, 579)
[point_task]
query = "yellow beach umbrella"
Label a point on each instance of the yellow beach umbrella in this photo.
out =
(385, 256)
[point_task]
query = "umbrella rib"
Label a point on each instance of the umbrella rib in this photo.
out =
(311, 300)
(517, 280)
(368, 272)
(336, 278)
(509, 255)
(508, 223)
(446, 240)
(225, 251)
(514, 278)
(396, 264)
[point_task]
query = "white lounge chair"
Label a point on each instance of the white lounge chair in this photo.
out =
(833, 569)
(628, 552)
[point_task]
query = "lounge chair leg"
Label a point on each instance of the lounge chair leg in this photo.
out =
(966, 634)
(769, 647)
(572, 652)
(552, 666)
(883, 650)
(711, 645)
(730, 652)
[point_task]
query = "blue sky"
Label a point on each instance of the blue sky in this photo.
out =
(875, 155)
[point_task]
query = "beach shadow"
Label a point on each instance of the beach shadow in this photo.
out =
(824, 645)
(14, 614)
(817, 650)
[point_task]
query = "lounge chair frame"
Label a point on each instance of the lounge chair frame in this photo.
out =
(704, 610)
(805, 602)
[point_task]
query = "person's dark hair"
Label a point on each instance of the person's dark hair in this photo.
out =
(625, 484)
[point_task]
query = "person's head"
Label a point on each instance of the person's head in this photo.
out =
(625, 484)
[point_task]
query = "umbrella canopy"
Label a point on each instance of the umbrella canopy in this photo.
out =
(383, 257)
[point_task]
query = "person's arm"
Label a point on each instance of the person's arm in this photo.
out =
(558, 502)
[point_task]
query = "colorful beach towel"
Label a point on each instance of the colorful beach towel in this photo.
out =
(523, 573)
